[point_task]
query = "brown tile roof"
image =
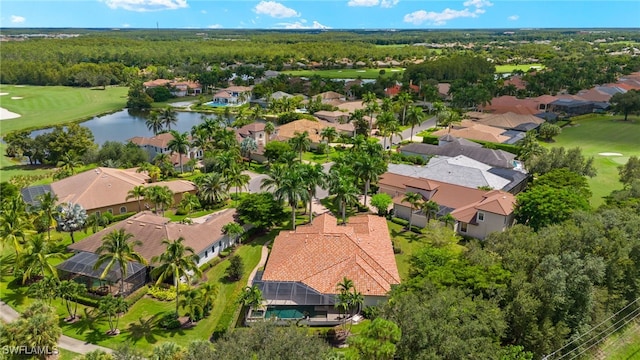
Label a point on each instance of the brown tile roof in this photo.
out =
(322, 253)
(151, 229)
(251, 128)
(160, 140)
(495, 201)
(474, 131)
(97, 188)
(156, 82)
(238, 88)
(509, 120)
(506, 103)
(288, 131)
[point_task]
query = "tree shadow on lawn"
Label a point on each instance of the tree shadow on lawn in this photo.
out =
(88, 327)
(410, 236)
(147, 329)
(17, 295)
(27, 167)
(6, 266)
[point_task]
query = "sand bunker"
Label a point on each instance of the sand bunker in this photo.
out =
(4, 94)
(609, 154)
(17, 98)
(6, 114)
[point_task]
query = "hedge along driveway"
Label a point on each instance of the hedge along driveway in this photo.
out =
(46, 106)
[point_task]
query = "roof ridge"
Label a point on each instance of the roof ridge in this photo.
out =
(367, 254)
(86, 189)
(372, 268)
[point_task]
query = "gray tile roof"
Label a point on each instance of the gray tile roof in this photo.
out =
(464, 147)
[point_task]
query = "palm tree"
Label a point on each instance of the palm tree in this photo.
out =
(168, 116)
(47, 206)
(276, 173)
(429, 209)
(368, 169)
(189, 202)
(137, 193)
(386, 123)
(212, 188)
(69, 291)
(112, 307)
(415, 117)
(70, 218)
(209, 293)
(35, 259)
(342, 186)
(69, 161)
(176, 262)
(233, 230)
(370, 102)
(237, 179)
(159, 195)
(344, 296)
(329, 134)
(192, 301)
(179, 144)
(414, 200)
(404, 99)
(251, 296)
(300, 142)
(313, 176)
(448, 220)
(154, 122)
(117, 250)
(269, 128)
(292, 190)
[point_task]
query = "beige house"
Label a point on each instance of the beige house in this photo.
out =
(313, 128)
(233, 95)
(176, 87)
(159, 144)
(471, 130)
(477, 212)
(103, 190)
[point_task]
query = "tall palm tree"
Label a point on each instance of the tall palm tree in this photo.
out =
(269, 128)
(189, 202)
(193, 301)
(176, 262)
(368, 169)
(429, 209)
(154, 122)
(414, 200)
(403, 99)
(35, 259)
(370, 101)
(212, 188)
(329, 134)
(159, 195)
(179, 144)
(292, 190)
(448, 220)
(209, 293)
(300, 142)
(313, 176)
(342, 186)
(237, 179)
(386, 123)
(415, 116)
(69, 161)
(118, 250)
(137, 193)
(251, 296)
(276, 173)
(47, 205)
(233, 230)
(168, 116)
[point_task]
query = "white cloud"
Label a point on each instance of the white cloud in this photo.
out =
(372, 3)
(126, 25)
(302, 25)
(477, 3)
(388, 3)
(215, 26)
(437, 18)
(17, 19)
(146, 5)
(513, 17)
(366, 3)
(203, 11)
(275, 9)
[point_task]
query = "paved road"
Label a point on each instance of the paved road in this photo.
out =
(406, 134)
(8, 314)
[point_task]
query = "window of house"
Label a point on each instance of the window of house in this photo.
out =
(463, 227)
(480, 216)
(97, 213)
(206, 253)
(123, 209)
(110, 211)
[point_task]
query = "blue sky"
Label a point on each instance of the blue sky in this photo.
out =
(311, 14)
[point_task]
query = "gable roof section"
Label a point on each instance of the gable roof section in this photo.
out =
(495, 201)
(510, 120)
(160, 140)
(288, 130)
(471, 130)
(152, 229)
(319, 255)
(458, 146)
(99, 187)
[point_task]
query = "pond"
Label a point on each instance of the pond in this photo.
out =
(123, 125)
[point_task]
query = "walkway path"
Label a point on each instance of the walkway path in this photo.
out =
(261, 263)
(8, 314)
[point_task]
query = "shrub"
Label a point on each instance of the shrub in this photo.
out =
(162, 294)
(170, 321)
(399, 221)
(236, 268)
(396, 248)
(370, 312)
(137, 295)
(124, 216)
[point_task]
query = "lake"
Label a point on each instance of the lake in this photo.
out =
(123, 125)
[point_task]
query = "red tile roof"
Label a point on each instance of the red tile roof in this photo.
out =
(322, 253)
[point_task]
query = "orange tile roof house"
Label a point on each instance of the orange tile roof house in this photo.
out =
(473, 131)
(206, 238)
(103, 189)
(158, 144)
(477, 212)
(509, 121)
(233, 95)
(305, 265)
(314, 128)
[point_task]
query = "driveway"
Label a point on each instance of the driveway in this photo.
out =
(427, 124)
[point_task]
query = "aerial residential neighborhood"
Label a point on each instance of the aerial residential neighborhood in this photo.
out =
(312, 193)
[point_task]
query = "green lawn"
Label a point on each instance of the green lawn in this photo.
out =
(345, 73)
(66, 354)
(501, 69)
(603, 134)
(44, 106)
(622, 346)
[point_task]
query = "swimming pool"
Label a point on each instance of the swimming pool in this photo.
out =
(289, 312)
(215, 104)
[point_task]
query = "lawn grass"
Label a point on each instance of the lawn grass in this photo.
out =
(66, 354)
(624, 345)
(602, 134)
(345, 73)
(501, 69)
(45, 106)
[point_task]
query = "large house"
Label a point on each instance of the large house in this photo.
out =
(159, 144)
(304, 267)
(206, 238)
(233, 95)
(176, 87)
(103, 190)
(313, 128)
(477, 212)
(471, 130)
